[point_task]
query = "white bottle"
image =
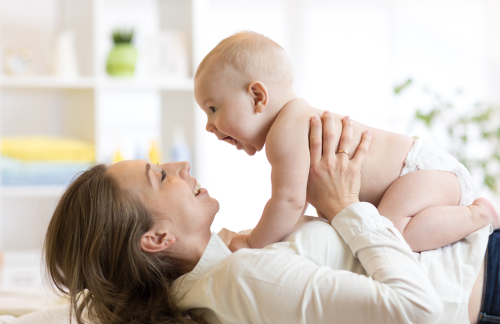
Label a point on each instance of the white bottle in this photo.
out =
(66, 63)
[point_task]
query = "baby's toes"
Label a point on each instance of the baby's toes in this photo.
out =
(488, 210)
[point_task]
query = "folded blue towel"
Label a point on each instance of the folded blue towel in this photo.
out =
(15, 172)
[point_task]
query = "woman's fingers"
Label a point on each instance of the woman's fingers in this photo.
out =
(328, 135)
(334, 180)
(345, 137)
(315, 142)
(362, 150)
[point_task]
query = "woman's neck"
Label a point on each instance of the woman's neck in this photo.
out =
(188, 252)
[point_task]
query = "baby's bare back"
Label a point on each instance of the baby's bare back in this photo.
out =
(385, 158)
(384, 161)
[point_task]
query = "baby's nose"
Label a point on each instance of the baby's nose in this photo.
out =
(210, 128)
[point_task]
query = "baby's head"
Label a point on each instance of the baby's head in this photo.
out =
(253, 56)
(239, 85)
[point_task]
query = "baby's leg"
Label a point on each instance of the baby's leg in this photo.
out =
(423, 206)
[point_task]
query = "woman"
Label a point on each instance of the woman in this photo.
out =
(131, 243)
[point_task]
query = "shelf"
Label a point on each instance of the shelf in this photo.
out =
(177, 84)
(46, 82)
(123, 114)
(31, 191)
(52, 82)
(22, 270)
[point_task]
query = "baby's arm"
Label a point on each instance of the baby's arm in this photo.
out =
(287, 148)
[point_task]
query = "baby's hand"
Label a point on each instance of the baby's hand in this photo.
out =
(226, 236)
(239, 242)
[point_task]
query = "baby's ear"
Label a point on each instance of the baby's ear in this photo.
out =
(260, 95)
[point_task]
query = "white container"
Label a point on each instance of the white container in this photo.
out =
(65, 61)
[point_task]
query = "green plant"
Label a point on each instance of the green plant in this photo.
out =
(123, 36)
(475, 129)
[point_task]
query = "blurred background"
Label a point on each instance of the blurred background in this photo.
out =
(88, 81)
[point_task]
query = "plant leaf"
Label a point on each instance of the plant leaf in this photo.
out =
(398, 89)
(490, 182)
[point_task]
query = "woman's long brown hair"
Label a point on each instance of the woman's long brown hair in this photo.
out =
(92, 253)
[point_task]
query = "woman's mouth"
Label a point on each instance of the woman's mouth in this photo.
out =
(197, 189)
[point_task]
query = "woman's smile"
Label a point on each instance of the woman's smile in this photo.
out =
(202, 191)
(197, 188)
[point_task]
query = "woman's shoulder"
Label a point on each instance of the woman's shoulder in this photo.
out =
(300, 242)
(313, 239)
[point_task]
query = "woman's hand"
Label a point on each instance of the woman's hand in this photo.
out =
(334, 180)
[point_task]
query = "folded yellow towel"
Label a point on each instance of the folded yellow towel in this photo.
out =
(47, 148)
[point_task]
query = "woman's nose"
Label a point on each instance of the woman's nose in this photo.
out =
(184, 168)
(178, 168)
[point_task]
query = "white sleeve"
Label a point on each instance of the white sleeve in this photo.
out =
(268, 286)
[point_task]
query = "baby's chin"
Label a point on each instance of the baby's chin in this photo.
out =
(249, 151)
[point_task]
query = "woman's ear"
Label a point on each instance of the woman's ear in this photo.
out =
(260, 95)
(153, 241)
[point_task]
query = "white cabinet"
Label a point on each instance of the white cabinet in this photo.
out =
(125, 114)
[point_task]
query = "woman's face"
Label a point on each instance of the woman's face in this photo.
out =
(168, 192)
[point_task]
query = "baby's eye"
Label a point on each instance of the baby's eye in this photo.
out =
(212, 109)
(163, 175)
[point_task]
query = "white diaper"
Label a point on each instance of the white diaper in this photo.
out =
(425, 155)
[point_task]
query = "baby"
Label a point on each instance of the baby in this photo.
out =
(244, 85)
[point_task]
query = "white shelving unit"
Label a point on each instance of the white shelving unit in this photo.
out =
(45, 82)
(31, 191)
(125, 114)
(51, 82)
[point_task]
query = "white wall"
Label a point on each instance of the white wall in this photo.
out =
(348, 56)
(240, 183)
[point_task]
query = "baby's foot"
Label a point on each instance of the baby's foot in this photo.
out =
(483, 208)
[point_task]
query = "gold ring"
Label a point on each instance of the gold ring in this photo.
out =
(342, 151)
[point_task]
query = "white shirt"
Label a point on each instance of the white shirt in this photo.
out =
(453, 269)
(359, 271)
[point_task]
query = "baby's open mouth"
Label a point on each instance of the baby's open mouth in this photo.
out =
(229, 139)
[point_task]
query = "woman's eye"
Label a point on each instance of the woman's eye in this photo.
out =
(212, 109)
(163, 175)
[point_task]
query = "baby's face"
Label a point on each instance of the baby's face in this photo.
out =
(231, 115)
